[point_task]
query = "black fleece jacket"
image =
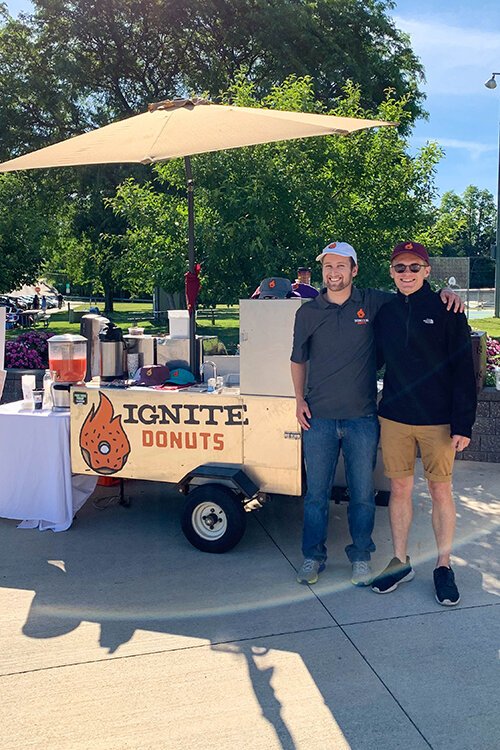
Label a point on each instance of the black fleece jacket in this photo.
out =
(429, 377)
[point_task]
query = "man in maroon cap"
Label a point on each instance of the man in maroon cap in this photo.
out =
(429, 400)
(333, 367)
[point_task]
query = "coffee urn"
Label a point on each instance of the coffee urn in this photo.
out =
(112, 348)
(90, 326)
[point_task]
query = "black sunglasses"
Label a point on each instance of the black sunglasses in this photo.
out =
(413, 267)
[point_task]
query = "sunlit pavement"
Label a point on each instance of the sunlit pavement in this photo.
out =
(119, 634)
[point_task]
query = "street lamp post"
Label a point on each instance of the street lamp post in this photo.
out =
(492, 84)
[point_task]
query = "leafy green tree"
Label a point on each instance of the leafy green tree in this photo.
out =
(265, 210)
(76, 64)
(89, 238)
(24, 229)
(98, 59)
(470, 221)
(474, 213)
(39, 102)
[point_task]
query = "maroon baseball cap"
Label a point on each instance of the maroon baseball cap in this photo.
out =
(415, 248)
(152, 375)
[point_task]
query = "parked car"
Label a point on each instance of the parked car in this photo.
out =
(25, 302)
(18, 302)
(8, 307)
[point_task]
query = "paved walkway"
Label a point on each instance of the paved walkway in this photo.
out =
(118, 634)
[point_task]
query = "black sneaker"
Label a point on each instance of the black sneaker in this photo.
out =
(446, 588)
(396, 572)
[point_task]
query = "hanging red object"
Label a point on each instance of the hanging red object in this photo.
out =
(192, 284)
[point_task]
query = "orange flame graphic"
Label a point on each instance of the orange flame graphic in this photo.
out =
(361, 313)
(104, 444)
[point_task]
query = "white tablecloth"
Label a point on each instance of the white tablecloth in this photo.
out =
(36, 483)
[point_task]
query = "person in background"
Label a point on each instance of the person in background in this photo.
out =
(60, 300)
(43, 305)
(300, 288)
(36, 302)
(303, 285)
(428, 401)
(333, 333)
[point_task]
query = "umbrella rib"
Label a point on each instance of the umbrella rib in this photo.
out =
(149, 159)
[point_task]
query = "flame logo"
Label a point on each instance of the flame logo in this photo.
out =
(361, 313)
(104, 444)
(409, 246)
(332, 245)
(272, 284)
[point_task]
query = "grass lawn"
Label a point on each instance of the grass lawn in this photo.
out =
(490, 325)
(127, 314)
(226, 325)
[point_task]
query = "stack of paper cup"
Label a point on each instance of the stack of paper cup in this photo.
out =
(132, 365)
(28, 384)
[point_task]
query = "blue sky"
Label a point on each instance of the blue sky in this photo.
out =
(458, 42)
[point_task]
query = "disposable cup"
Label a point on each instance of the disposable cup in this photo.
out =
(28, 384)
(38, 399)
(132, 364)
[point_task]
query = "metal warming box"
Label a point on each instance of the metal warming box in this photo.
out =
(266, 334)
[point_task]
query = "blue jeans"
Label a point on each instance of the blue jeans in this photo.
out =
(358, 439)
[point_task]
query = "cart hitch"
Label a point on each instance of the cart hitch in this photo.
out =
(257, 502)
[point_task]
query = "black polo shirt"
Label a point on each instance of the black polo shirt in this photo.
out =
(338, 342)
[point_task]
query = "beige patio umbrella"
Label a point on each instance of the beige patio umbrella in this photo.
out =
(181, 128)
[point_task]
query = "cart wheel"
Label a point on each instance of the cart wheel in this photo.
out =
(213, 519)
(382, 498)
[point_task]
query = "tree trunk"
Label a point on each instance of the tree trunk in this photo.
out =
(108, 298)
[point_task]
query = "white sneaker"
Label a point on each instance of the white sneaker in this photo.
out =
(310, 571)
(361, 573)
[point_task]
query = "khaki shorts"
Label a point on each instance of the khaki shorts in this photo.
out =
(399, 449)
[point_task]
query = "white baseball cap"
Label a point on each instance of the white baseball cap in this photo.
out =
(339, 248)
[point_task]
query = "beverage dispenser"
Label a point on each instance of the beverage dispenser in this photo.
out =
(112, 352)
(67, 364)
(90, 326)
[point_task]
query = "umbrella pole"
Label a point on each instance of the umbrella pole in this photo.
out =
(193, 363)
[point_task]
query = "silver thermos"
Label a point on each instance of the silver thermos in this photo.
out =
(112, 347)
(90, 327)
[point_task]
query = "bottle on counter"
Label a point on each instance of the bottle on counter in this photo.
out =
(47, 390)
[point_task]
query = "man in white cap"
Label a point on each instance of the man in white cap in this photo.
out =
(333, 333)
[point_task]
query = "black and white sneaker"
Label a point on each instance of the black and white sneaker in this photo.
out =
(395, 573)
(446, 588)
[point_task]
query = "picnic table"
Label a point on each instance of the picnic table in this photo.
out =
(27, 318)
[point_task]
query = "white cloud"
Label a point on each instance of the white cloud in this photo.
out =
(475, 149)
(457, 60)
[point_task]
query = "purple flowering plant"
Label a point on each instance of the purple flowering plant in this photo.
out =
(492, 359)
(28, 351)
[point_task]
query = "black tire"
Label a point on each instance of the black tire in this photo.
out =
(213, 519)
(382, 498)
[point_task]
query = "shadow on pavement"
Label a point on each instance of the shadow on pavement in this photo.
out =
(132, 573)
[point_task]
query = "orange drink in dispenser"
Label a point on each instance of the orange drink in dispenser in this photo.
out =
(68, 358)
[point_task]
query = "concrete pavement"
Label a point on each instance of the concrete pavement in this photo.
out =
(119, 634)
